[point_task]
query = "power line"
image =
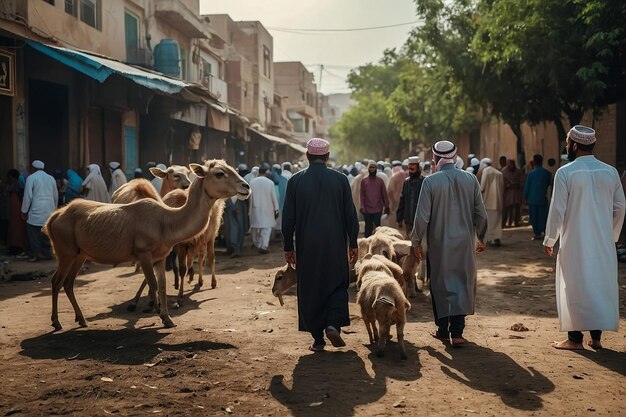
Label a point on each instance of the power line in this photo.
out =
(299, 30)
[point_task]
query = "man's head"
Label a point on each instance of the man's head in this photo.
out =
(286, 166)
(264, 168)
(486, 162)
(511, 164)
(580, 141)
(444, 152)
(503, 161)
(37, 165)
(372, 168)
(414, 166)
(317, 149)
(114, 165)
(538, 160)
(551, 162)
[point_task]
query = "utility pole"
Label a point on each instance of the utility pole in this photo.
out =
(321, 72)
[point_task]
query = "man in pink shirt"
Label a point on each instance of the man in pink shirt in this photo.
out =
(373, 199)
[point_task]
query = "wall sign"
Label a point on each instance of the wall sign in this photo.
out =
(7, 73)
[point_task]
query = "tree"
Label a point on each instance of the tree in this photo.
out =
(365, 131)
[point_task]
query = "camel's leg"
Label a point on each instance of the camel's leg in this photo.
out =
(211, 260)
(173, 256)
(69, 290)
(181, 256)
(189, 258)
(148, 272)
(161, 283)
(63, 266)
(201, 262)
(133, 304)
(183, 261)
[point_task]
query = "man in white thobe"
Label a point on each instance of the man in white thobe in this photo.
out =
(492, 187)
(586, 214)
(263, 209)
(41, 198)
(117, 177)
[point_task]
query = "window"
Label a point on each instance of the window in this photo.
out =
(49, 2)
(131, 35)
(183, 63)
(70, 7)
(90, 12)
(267, 62)
(206, 68)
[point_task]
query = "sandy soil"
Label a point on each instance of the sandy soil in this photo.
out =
(236, 351)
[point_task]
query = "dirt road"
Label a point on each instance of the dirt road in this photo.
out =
(236, 351)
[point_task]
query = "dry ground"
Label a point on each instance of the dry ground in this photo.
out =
(236, 351)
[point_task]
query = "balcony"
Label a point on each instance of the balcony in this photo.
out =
(139, 56)
(181, 18)
(217, 87)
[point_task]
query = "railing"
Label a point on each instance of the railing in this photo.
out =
(139, 56)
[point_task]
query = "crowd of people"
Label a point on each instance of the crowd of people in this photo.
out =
(458, 211)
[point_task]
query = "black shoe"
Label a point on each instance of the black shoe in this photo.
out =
(333, 335)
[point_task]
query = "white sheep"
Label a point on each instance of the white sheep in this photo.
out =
(381, 300)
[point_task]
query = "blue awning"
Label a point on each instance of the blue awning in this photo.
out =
(100, 69)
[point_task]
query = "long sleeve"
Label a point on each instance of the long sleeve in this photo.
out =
(350, 216)
(422, 215)
(527, 187)
(618, 210)
(28, 195)
(480, 215)
(384, 193)
(289, 217)
(400, 211)
(275, 200)
(362, 193)
(557, 209)
(55, 196)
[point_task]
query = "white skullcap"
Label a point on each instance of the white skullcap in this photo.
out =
(37, 164)
(396, 163)
(582, 134)
(459, 163)
(242, 167)
(474, 161)
(371, 162)
(138, 170)
(405, 162)
(444, 149)
(255, 169)
(414, 160)
(161, 166)
(470, 170)
(114, 165)
(486, 161)
(276, 166)
(358, 165)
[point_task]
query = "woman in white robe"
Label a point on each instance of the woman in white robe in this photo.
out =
(95, 185)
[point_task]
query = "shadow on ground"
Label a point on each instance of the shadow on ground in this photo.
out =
(473, 365)
(124, 346)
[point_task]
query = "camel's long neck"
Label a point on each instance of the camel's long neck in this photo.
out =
(189, 220)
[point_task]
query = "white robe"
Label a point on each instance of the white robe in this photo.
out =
(586, 213)
(263, 203)
(117, 180)
(492, 187)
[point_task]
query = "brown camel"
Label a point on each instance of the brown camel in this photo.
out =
(187, 250)
(134, 190)
(145, 230)
(174, 177)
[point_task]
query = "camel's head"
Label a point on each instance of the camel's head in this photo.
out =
(220, 180)
(177, 176)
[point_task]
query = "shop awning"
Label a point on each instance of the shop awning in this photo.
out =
(297, 147)
(271, 138)
(100, 68)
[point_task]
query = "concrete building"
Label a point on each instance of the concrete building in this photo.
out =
(296, 83)
(70, 108)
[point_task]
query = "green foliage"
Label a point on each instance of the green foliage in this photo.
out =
(365, 131)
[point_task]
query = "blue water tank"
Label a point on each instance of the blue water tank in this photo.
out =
(167, 58)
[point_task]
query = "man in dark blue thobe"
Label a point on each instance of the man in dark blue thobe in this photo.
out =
(319, 210)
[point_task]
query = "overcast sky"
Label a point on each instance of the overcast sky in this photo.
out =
(338, 52)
